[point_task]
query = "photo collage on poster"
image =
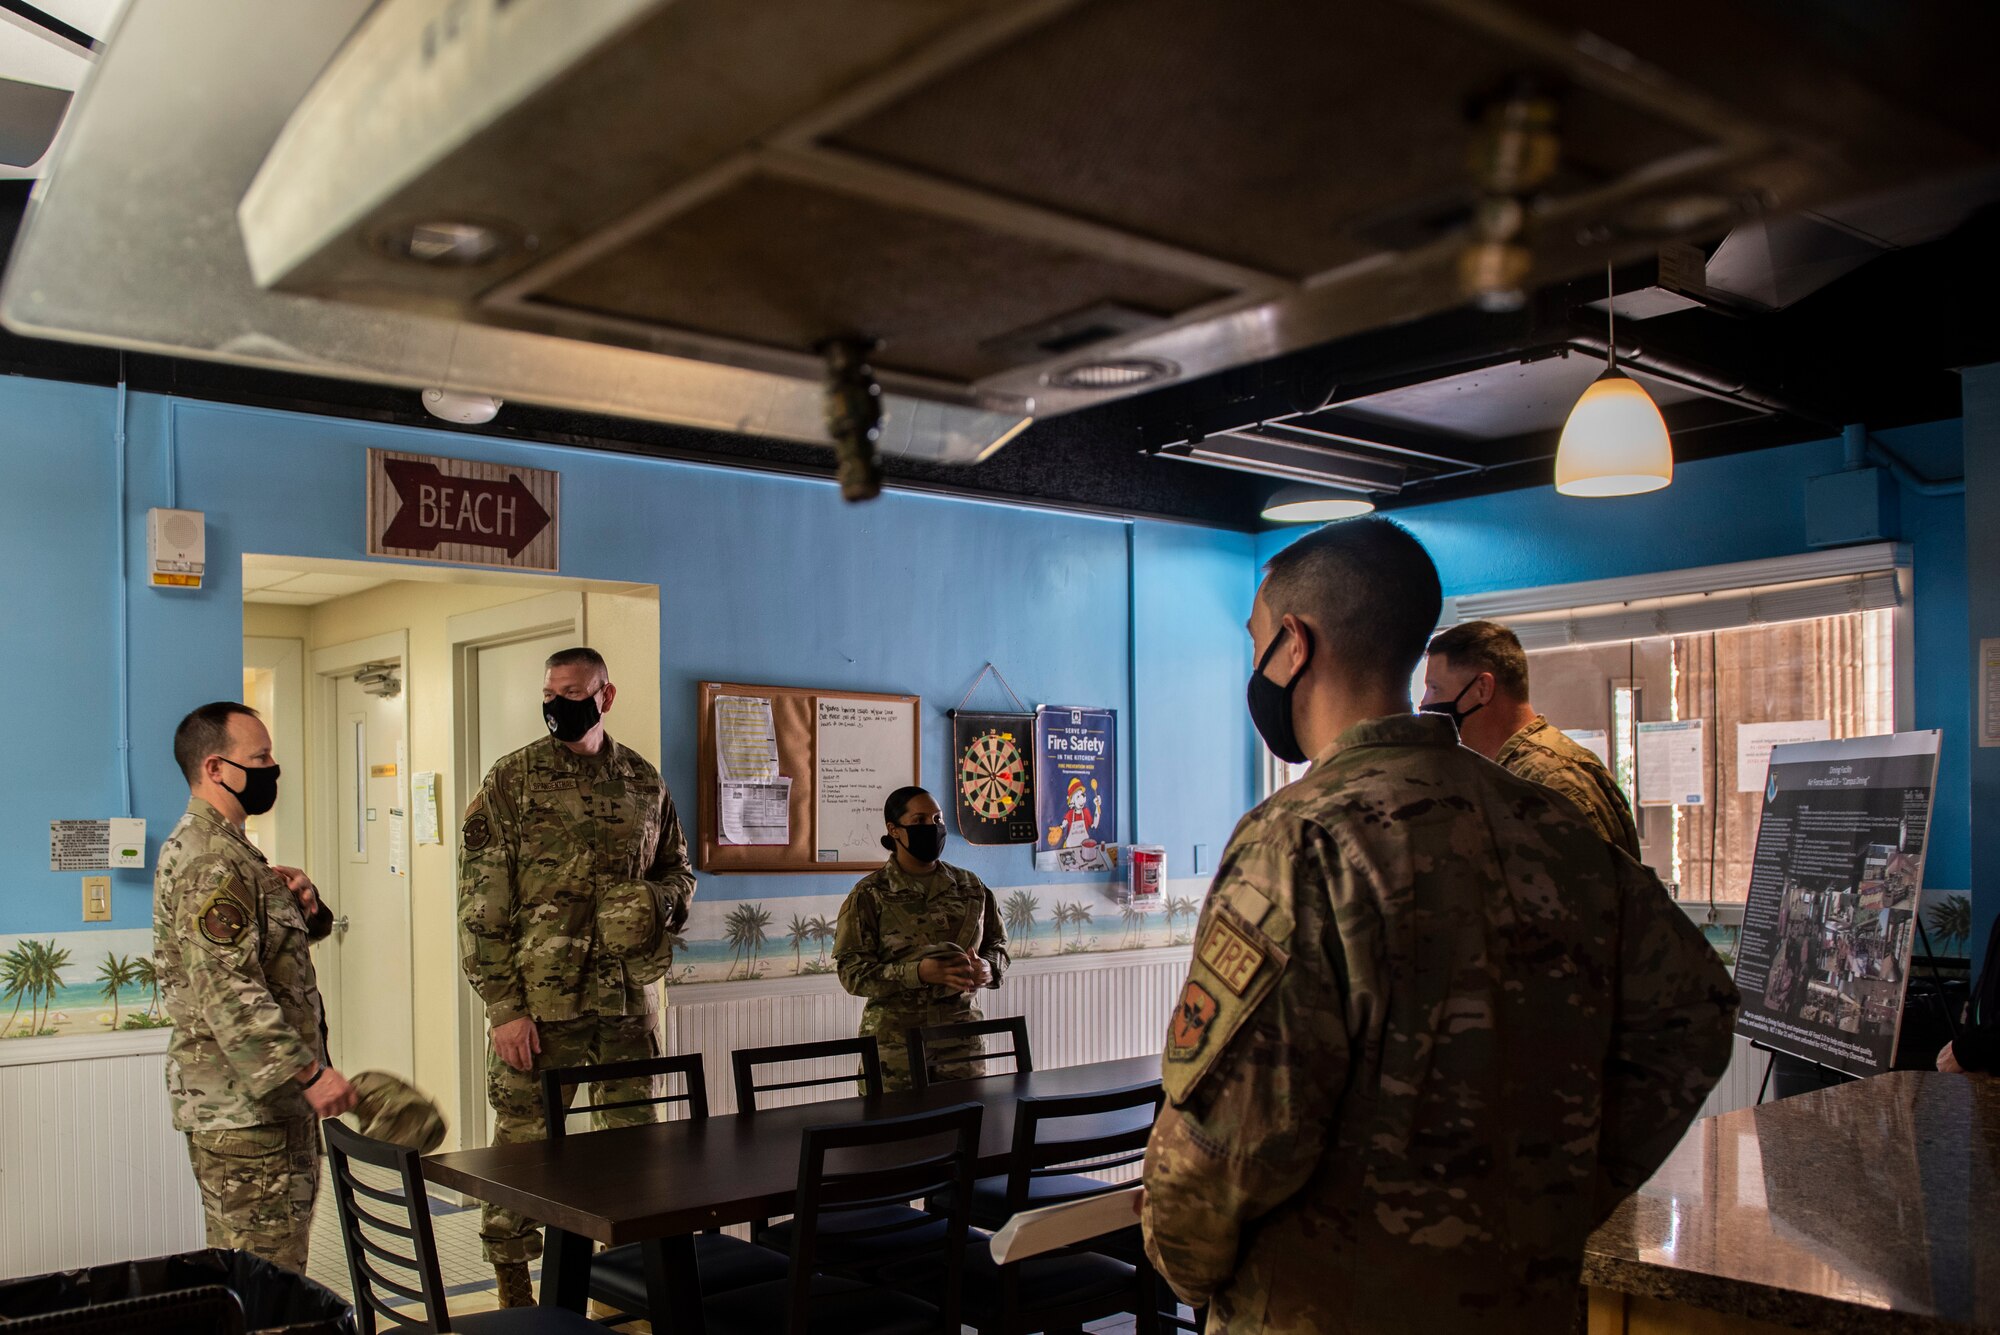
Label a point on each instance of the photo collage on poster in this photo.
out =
(1830, 923)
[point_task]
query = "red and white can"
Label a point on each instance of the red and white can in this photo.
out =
(1146, 870)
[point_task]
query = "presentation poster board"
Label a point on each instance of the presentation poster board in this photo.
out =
(792, 779)
(1824, 955)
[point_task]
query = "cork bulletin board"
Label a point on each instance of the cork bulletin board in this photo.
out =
(843, 751)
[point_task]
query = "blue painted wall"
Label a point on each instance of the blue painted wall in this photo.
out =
(1744, 507)
(762, 579)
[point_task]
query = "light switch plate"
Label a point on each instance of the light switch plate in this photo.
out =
(97, 899)
(1200, 859)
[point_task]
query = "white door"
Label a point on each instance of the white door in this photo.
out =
(509, 706)
(369, 1024)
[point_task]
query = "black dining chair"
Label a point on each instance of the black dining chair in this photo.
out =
(848, 1175)
(405, 1213)
(745, 1063)
(618, 1275)
(924, 1045)
(1066, 1288)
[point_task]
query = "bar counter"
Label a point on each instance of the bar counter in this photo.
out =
(1873, 1206)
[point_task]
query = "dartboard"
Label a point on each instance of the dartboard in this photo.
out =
(995, 780)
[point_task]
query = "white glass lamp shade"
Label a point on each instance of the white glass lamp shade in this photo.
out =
(1314, 505)
(1615, 442)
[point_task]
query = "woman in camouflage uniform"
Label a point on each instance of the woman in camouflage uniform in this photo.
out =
(917, 938)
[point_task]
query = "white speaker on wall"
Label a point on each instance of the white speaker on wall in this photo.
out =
(176, 549)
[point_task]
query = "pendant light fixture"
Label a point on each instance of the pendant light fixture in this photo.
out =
(1314, 505)
(1615, 441)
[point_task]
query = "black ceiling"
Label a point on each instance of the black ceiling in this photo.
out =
(1877, 346)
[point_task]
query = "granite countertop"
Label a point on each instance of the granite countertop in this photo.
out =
(1872, 1206)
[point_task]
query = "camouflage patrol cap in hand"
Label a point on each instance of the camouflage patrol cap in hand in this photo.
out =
(389, 1108)
(628, 918)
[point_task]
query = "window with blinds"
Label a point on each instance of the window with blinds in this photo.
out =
(1810, 638)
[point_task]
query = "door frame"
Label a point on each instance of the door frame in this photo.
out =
(284, 659)
(323, 846)
(465, 635)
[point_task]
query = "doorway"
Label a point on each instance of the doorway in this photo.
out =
(497, 656)
(464, 649)
(362, 791)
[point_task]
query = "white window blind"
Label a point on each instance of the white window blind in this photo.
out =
(1730, 609)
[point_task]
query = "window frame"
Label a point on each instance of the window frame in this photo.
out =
(1866, 559)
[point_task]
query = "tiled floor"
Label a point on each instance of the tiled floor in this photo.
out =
(468, 1279)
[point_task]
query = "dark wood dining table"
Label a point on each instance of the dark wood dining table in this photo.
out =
(661, 1184)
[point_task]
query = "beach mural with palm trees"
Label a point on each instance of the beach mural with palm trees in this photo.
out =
(59, 983)
(732, 941)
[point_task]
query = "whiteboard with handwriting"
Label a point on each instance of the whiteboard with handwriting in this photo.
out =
(865, 751)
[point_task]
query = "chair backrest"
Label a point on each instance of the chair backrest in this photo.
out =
(403, 1213)
(925, 1044)
(1107, 1141)
(896, 1160)
(746, 1061)
(210, 1309)
(656, 1071)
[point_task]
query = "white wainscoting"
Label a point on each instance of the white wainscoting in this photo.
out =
(1079, 1008)
(91, 1168)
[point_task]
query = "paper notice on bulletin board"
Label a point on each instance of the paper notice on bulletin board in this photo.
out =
(864, 751)
(1671, 772)
(755, 813)
(746, 740)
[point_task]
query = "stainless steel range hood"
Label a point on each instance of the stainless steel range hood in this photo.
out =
(659, 208)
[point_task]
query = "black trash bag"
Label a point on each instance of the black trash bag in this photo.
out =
(274, 1299)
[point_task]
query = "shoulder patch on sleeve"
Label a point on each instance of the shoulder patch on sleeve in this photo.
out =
(478, 832)
(1193, 1014)
(1230, 954)
(1235, 968)
(223, 919)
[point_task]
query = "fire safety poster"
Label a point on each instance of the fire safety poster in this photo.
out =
(1076, 787)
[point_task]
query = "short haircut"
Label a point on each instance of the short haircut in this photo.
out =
(899, 802)
(204, 733)
(1486, 646)
(580, 654)
(1370, 590)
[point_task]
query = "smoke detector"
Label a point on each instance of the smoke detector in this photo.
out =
(465, 409)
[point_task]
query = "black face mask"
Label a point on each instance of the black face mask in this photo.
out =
(926, 841)
(1449, 708)
(571, 720)
(259, 792)
(1271, 706)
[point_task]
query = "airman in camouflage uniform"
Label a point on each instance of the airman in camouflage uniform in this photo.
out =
(1543, 753)
(573, 882)
(1435, 1028)
(1478, 677)
(891, 922)
(231, 942)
